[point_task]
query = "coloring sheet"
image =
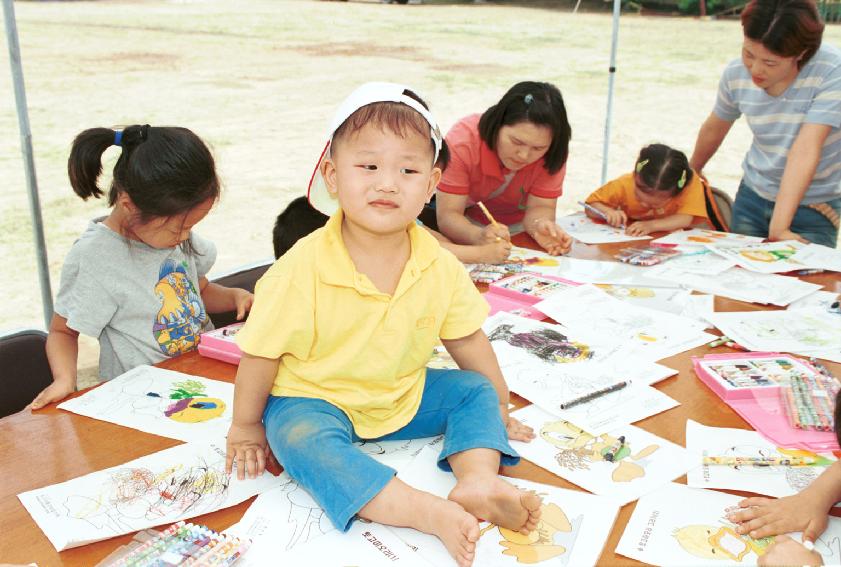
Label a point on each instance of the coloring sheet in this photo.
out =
(743, 285)
(162, 488)
(598, 271)
(668, 299)
(286, 517)
(765, 258)
(648, 334)
(583, 228)
(572, 531)
(699, 261)
(775, 481)
(519, 260)
(697, 532)
(699, 307)
(365, 543)
(816, 300)
(819, 257)
(702, 237)
(782, 331)
(623, 464)
(162, 402)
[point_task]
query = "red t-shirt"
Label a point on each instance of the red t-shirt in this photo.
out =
(476, 171)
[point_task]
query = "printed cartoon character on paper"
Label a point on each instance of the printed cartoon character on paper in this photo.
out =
(578, 449)
(552, 538)
(621, 292)
(546, 344)
(190, 405)
(182, 315)
(781, 254)
(719, 542)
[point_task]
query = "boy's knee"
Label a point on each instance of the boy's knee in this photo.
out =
(478, 386)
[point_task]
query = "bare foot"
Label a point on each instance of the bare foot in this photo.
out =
(495, 500)
(456, 528)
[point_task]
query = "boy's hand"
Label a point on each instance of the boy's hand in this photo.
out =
(243, 300)
(786, 551)
(551, 237)
(494, 252)
(639, 228)
(616, 217)
(247, 446)
(516, 430)
(762, 517)
(55, 392)
(493, 233)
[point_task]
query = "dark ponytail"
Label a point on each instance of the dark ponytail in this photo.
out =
(661, 168)
(165, 171)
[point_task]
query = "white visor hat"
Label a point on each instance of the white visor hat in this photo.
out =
(369, 93)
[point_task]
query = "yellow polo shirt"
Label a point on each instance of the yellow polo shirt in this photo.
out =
(342, 340)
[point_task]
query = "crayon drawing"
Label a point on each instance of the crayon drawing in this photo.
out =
(702, 237)
(781, 331)
(162, 402)
(622, 463)
(583, 228)
(719, 542)
(546, 344)
(766, 258)
(174, 484)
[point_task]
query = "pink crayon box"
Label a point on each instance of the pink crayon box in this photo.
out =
(516, 294)
(219, 344)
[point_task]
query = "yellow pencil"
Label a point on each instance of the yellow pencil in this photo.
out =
(488, 214)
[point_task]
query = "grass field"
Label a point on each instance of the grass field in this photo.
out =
(259, 81)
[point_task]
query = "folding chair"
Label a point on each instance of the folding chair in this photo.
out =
(245, 277)
(719, 206)
(24, 369)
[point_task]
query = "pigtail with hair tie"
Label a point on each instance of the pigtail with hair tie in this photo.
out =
(682, 181)
(641, 164)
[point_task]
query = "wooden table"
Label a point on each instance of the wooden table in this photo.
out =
(52, 446)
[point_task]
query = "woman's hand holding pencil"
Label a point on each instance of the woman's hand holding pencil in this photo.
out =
(493, 232)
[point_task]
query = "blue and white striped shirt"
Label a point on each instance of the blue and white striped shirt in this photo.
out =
(814, 98)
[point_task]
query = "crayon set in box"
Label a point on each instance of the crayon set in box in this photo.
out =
(184, 543)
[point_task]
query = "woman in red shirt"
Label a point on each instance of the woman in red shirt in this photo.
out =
(512, 158)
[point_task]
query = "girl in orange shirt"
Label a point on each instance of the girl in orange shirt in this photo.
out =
(662, 194)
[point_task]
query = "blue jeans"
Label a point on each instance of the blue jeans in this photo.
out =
(752, 216)
(313, 439)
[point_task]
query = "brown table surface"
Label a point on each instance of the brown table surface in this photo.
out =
(51, 446)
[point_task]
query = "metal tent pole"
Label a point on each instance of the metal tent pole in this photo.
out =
(29, 160)
(611, 77)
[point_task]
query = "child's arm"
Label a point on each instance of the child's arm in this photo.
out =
(474, 352)
(806, 511)
(539, 222)
(63, 355)
(219, 299)
(489, 253)
(669, 223)
(614, 217)
(246, 443)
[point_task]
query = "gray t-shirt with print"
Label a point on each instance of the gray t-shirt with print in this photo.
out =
(142, 303)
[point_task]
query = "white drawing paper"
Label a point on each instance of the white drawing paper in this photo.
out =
(602, 464)
(699, 307)
(598, 271)
(819, 257)
(162, 488)
(769, 480)
(365, 543)
(668, 299)
(743, 285)
(163, 402)
(573, 528)
(646, 333)
(583, 228)
(702, 237)
(682, 526)
(816, 300)
(698, 261)
(782, 331)
(765, 258)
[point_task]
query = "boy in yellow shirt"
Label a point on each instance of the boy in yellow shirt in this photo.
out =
(662, 194)
(342, 326)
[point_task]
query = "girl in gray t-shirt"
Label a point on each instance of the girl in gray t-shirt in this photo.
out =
(136, 279)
